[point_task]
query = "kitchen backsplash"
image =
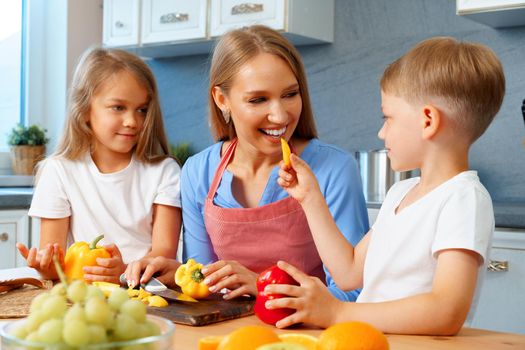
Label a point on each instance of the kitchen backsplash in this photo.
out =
(344, 83)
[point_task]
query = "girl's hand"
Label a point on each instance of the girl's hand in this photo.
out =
(163, 267)
(107, 269)
(42, 260)
(298, 179)
(231, 275)
(313, 302)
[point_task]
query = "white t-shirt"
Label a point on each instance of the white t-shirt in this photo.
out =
(402, 252)
(118, 205)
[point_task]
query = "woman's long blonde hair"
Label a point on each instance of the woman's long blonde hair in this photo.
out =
(236, 48)
(95, 67)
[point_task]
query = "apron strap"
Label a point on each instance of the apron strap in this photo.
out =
(225, 160)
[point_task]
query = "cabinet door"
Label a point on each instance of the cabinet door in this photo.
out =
(13, 229)
(121, 22)
(230, 14)
(487, 5)
(170, 20)
(501, 306)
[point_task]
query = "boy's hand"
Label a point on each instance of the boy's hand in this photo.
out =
(298, 179)
(313, 302)
(42, 260)
(107, 269)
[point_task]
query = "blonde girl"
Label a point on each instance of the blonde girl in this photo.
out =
(111, 172)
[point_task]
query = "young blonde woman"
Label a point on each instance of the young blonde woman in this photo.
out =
(236, 217)
(111, 173)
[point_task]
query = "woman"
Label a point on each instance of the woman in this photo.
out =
(236, 217)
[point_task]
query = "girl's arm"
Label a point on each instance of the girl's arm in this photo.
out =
(442, 311)
(167, 222)
(53, 240)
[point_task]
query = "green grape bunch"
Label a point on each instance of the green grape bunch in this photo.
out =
(74, 315)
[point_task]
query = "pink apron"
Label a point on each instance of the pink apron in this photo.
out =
(259, 237)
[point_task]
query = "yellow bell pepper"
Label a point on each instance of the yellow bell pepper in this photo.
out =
(286, 152)
(190, 279)
(82, 254)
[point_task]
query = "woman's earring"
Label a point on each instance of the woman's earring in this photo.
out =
(226, 115)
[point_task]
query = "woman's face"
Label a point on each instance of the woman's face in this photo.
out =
(264, 101)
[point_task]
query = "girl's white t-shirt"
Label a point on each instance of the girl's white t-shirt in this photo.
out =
(118, 205)
(402, 252)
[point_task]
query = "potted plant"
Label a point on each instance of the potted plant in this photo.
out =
(181, 152)
(28, 146)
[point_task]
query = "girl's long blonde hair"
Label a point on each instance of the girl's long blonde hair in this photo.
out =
(95, 67)
(236, 48)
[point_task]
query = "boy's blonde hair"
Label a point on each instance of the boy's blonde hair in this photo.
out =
(466, 80)
(96, 66)
(236, 48)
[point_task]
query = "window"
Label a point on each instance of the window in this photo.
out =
(11, 67)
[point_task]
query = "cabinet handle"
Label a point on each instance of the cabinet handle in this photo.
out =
(498, 266)
(4, 237)
(247, 8)
(174, 17)
(119, 24)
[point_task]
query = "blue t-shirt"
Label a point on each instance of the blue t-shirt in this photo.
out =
(338, 178)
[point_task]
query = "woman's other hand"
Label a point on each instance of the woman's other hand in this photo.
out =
(107, 269)
(42, 260)
(311, 299)
(141, 271)
(230, 275)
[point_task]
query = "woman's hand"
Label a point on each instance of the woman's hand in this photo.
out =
(298, 179)
(231, 275)
(141, 271)
(42, 260)
(107, 269)
(313, 302)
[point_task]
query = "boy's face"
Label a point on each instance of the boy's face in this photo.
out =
(401, 132)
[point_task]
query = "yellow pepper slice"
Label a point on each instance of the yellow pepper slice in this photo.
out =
(157, 301)
(190, 279)
(106, 287)
(82, 254)
(286, 152)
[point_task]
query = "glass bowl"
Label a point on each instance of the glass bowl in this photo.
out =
(163, 341)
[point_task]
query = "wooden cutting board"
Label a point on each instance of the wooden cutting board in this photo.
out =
(210, 310)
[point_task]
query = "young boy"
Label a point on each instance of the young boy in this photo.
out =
(420, 262)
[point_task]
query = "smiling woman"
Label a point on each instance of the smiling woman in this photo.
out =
(237, 219)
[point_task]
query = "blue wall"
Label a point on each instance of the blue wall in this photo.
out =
(344, 77)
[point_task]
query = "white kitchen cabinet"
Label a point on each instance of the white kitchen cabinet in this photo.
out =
(495, 13)
(163, 28)
(501, 305)
(14, 227)
(121, 22)
(172, 20)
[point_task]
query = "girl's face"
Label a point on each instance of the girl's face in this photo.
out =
(117, 114)
(264, 101)
(401, 132)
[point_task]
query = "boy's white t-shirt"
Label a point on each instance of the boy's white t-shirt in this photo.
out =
(402, 252)
(118, 205)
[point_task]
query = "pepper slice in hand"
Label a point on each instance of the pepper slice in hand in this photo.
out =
(190, 279)
(286, 152)
(82, 254)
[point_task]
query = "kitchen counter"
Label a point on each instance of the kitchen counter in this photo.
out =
(187, 337)
(15, 197)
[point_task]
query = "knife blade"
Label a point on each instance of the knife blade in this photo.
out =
(154, 286)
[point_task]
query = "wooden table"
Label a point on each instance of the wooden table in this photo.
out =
(187, 337)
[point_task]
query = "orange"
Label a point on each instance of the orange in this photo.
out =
(210, 342)
(248, 338)
(308, 341)
(352, 336)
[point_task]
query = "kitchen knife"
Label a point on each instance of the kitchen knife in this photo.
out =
(154, 286)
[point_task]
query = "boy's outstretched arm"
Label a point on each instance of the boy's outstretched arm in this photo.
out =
(344, 263)
(441, 311)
